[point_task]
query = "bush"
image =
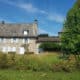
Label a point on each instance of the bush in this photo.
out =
(11, 60)
(21, 62)
(37, 63)
(31, 62)
(66, 66)
(38, 66)
(50, 46)
(56, 67)
(3, 60)
(29, 53)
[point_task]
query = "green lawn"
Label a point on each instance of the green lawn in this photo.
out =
(30, 75)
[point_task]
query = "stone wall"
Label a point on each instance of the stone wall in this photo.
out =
(7, 44)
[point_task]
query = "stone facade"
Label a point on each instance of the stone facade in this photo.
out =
(17, 45)
(19, 38)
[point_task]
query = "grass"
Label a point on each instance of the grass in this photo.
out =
(39, 68)
(46, 57)
(30, 75)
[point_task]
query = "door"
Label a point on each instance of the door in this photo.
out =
(21, 50)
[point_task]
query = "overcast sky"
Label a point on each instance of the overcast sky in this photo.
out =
(49, 13)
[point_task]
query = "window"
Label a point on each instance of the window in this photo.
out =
(14, 40)
(28, 41)
(21, 50)
(26, 32)
(1, 39)
(4, 40)
(23, 41)
(8, 49)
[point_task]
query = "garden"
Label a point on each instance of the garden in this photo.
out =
(47, 66)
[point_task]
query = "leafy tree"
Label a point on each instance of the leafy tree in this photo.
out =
(78, 2)
(71, 32)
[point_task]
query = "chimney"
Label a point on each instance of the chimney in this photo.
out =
(3, 22)
(36, 21)
(35, 27)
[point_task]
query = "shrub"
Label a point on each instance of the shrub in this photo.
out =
(37, 63)
(19, 62)
(3, 60)
(34, 63)
(50, 46)
(56, 67)
(39, 66)
(29, 53)
(68, 65)
(11, 60)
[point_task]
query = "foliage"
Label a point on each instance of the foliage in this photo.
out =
(3, 60)
(65, 65)
(71, 32)
(42, 62)
(27, 62)
(11, 60)
(50, 46)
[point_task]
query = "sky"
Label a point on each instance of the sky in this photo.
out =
(50, 14)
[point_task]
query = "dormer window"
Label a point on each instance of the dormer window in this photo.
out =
(26, 32)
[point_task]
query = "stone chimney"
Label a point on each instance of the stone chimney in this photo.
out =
(36, 21)
(3, 22)
(35, 27)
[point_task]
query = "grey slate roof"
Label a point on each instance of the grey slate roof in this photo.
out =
(16, 30)
(48, 39)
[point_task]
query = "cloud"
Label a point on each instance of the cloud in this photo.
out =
(56, 17)
(30, 8)
(50, 16)
(8, 2)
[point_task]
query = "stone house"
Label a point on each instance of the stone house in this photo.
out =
(19, 38)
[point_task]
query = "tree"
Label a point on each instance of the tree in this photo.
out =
(78, 2)
(70, 37)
